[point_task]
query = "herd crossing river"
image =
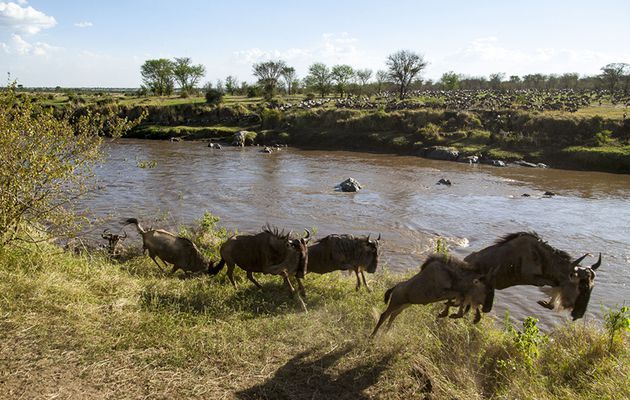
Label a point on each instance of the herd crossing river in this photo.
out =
(294, 189)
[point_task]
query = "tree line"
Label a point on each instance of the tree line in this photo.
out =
(402, 74)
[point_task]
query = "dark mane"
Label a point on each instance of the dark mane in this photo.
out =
(446, 259)
(562, 254)
(273, 230)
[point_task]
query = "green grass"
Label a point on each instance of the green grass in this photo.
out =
(616, 158)
(83, 326)
(196, 132)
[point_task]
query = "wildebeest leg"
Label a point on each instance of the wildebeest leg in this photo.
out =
(463, 310)
(395, 314)
(301, 289)
(546, 304)
(288, 282)
(447, 306)
(250, 276)
(156, 263)
(175, 268)
(365, 283)
(477, 316)
(356, 272)
(391, 308)
(230, 274)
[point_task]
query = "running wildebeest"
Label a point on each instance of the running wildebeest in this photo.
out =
(523, 258)
(179, 251)
(344, 252)
(440, 278)
(269, 252)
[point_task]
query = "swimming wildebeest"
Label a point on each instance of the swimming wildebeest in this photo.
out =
(344, 252)
(523, 258)
(440, 278)
(179, 251)
(269, 252)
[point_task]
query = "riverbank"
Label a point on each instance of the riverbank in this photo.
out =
(558, 140)
(85, 326)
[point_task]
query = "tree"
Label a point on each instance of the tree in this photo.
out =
(496, 79)
(342, 74)
(158, 77)
(612, 74)
(231, 84)
(450, 80)
(289, 76)
(381, 79)
(319, 78)
(187, 74)
(47, 160)
(268, 74)
(363, 76)
(403, 66)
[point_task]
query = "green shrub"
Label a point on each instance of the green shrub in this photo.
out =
(616, 322)
(271, 118)
(214, 96)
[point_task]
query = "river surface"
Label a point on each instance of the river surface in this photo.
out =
(401, 201)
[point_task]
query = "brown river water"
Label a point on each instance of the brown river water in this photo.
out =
(294, 189)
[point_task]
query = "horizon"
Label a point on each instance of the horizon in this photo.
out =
(102, 45)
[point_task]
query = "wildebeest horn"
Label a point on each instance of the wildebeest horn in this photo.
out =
(579, 260)
(368, 238)
(379, 237)
(106, 234)
(124, 236)
(598, 263)
(308, 234)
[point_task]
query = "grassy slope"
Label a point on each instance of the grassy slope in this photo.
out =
(84, 327)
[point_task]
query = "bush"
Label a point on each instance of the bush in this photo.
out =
(253, 91)
(271, 118)
(214, 96)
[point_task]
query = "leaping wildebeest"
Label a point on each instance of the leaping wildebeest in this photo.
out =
(176, 250)
(440, 278)
(270, 252)
(523, 258)
(344, 252)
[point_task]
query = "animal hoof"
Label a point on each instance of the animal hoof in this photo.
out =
(545, 304)
(455, 316)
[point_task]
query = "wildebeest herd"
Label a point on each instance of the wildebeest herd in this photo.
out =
(521, 258)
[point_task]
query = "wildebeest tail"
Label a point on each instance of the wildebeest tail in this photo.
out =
(388, 294)
(212, 270)
(135, 222)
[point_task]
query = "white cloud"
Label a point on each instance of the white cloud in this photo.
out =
(24, 19)
(83, 24)
(18, 45)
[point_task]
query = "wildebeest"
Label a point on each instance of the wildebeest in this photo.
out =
(114, 242)
(179, 251)
(269, 252)
(523, 258)
(344, 252)
(440, 278)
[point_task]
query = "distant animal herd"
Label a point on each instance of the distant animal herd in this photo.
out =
(521, 258)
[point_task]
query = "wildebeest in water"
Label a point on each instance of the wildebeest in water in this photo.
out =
(523, 258)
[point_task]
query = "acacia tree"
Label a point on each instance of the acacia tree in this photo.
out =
(403, 66)
(363, 76)
(47, 162)
(613, 74)
(289, 76)
(450, 80)
(342, 74)
(157, 76)
(187, 74)
(381, 79)
(319, 78)
(268, 73)
(231, 84)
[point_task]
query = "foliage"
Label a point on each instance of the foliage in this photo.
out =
(268, 73)
(341, 75)
(319, 78)
(441, 247)
(271, 118)
(187, 74)
(527, 342)
(47, 163)
(403, 67)
(616, 322)
(450, 80)
(213, 96)
(158, 77)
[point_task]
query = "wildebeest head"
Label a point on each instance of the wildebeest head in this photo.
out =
(301, 246)
(582, 280)
(113, 240)
(371, 253)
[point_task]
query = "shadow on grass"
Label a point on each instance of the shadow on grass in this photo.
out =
(307, 377)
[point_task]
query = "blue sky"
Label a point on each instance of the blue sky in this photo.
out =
(103, 43)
